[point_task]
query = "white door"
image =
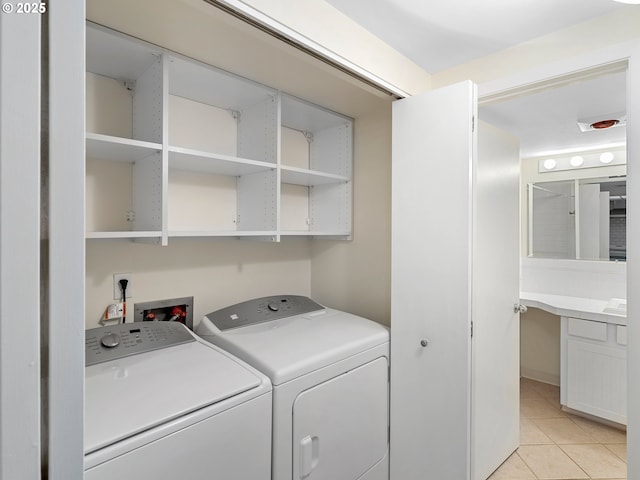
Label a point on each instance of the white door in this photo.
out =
(495, 399)
(440, 193)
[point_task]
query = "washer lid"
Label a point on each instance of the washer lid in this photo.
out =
(132, 394)
(287, 348)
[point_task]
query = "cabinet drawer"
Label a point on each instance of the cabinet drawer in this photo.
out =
(621, 335)
(588, 329)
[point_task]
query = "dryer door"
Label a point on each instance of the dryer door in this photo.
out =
(340, 427)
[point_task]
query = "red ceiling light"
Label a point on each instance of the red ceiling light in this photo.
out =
(602, 124)
(602, 121)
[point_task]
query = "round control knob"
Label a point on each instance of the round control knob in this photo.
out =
(110, 340)
(274, 306)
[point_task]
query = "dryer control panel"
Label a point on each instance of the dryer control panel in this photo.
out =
(103, 344)
(260, 310)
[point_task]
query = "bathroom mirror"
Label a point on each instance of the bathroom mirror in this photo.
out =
(581, 219)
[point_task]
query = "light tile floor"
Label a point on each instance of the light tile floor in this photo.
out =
(555, 445)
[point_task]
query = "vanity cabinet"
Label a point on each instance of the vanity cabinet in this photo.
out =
(594, 368)
(178, 148)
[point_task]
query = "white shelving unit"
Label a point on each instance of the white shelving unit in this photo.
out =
(322, 176)
(224, 107)
(131, 132)
(178, 148)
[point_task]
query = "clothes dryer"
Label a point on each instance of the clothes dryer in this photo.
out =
(330, 374)
(161, 404)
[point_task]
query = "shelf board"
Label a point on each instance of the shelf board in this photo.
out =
(197, 161)
(124, 234)
(222, 233)
(301, 115)
(308, 233)
(300, 176)
(115, 55)
(212, 86)
(119, 149)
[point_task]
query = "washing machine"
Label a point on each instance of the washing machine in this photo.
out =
(330, 376)
(161, 404)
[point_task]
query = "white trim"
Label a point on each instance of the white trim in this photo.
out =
(19, 246)
(604, 60)
(66, 238)
(296, 38)
(633, 260)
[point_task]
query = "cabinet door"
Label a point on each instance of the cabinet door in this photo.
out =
(441, 194)
(597, 379)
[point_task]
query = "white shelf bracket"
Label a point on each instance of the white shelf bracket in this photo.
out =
(308, 136)
(130, 85)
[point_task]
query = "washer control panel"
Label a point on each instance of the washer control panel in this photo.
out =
(260, 310)
(103, 344)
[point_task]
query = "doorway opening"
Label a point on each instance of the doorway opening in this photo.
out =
(562, 250)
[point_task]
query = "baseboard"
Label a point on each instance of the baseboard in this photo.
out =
(539, 376)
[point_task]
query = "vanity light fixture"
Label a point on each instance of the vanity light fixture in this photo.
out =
(603, 157)
(576, 160)
(606, 157)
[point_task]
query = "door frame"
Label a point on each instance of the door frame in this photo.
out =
(20, 132)
(559, 72)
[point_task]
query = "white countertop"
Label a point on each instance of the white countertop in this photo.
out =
(577, 307)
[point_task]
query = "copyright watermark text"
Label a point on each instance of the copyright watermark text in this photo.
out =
(32, 7)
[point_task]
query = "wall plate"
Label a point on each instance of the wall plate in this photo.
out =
(169, 310)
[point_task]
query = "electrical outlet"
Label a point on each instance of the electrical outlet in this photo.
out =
(117, 291)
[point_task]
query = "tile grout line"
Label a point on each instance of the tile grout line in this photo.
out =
(564, 415)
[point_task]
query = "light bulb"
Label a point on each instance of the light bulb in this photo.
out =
(606, 157)
(550, 164)
(576, 161)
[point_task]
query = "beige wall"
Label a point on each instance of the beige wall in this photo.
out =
(540, 346)
(349, 275)
(583, 38)
(325, 25)
(356, 276)
(216, 272)
(353, 276)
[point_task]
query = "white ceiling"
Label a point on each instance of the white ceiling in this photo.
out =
(441, 34)
(547, 121)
